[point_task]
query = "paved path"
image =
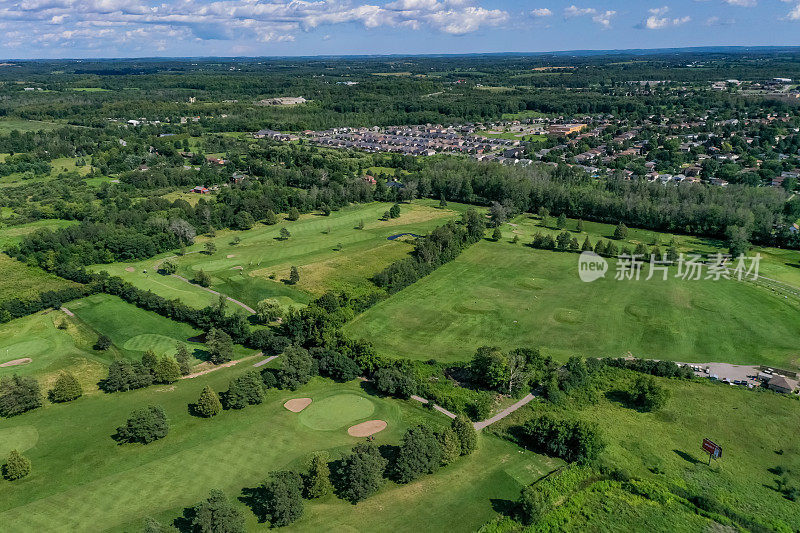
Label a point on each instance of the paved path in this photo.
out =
(212, 291)
(219, 367)
(67, 311)
(265, 361)
(504, 413)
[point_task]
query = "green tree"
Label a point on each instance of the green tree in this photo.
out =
(208, 404)
(168, 268)
(587, 245)
(394, 211)
(442, 201)
(449, 444)
(216, 515)
(360, 224)
(738, 240)
(621, 232)
(280, 498)
(561, 222)
(65, 389)
(167, 370)
(202, 278)
(145, 425)
(467, 436)
(243, 221)
(318, 480)
(19, 394)
(490, 367)
(184, 359)
(268, 310)
(270, 219)
(210, 247)
(579, 228)
(297, 368)
(247, 389)
(149, 360)
(103, 343)
(293, 214)
(418, 454)
(219, 345)
(646, 394)
(17, 466)
(497, 234)
(361, 472)
(284, 234)
(294, 276)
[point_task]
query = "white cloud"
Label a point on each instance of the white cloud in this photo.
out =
(741, 3)
(604, 19)
(541, 12)
(794, 14)
(659, 11)
(575, 11)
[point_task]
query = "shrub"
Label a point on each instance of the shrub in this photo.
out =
(103, 343)
(573, 441)
(647, 395)
(466, 435)
(17, 466)
(65, 389)
(394, 382)
(145, 425)
(18, 395)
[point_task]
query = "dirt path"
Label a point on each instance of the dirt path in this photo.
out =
(439, 408)
(67, 311)
(212, 291)
(504, 413)
(223, 365)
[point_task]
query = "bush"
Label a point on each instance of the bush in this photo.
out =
(208, 404)
(647, 395)
(394, 382)
(103, 343)
(145, 425)
(337, 366)
(245, 390)
(17, 466)
(18, 395)
(216, 515)
(65, 389)
(466, 435)
(280, 498)
(124, 375)
(360, 474)
(573, 441)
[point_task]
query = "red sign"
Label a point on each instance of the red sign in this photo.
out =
(712, 449)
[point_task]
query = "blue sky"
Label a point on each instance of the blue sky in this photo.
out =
(137, 28)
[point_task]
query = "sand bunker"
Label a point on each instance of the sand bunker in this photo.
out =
(15, 362)
(130, 269)
(365, 429)
(237, 268)
(231, 255)
(297, 404)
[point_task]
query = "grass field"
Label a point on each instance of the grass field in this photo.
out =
(14, 234)
(52, 350)
(8, 125)
(58, 166)
(756, 430)
(134, 330)
(508, 295)
(18, 280)
(243, 270)
(77, 465)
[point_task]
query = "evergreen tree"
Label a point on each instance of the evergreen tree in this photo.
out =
(208, 404)
(245, 390)
(621, 232)
(167, 370)
(17, 466)
(294, 276)
(394, 211)
(561, 222)
(579, 228)
(467, 436)
(284, 234)
(497, 234)
(442, 201)
(318, 482)
(184, 359)
(449, 444)
(149, 360)
(418, 454)
(219, 345)
(293, 214)
(65, 389)
(270, 219)
(103, 343)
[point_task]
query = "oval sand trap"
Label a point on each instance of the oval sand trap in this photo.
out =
(130, 269)
(296, 405)
(15, 362)
(365, 429)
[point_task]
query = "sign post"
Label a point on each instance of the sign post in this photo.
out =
(713, 450)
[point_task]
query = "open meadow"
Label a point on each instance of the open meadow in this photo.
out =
(19, 280)
(755, 428)
(13, 234)
(511, 295)
(329, 252)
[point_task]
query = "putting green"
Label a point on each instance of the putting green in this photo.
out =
(160, 344)
(29, 348)
(18, 438)
(336, 411)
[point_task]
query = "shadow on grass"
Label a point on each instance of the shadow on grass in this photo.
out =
(687, 457)
(250, 497)
(504, 507)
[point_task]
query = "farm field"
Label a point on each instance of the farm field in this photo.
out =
(8, 125)
(755, 429)
(14, 234)
(134, 331)
(21, 281)
(243, 270)
(498, 293)
(249, 443)
(53, 342)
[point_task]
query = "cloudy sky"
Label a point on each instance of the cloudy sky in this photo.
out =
(137, 28)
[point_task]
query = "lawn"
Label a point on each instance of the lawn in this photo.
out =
(19, 280)
(133, 330)
(14, 234)
(498, 293)
(329, 251)
(52, 349)
(78, 467)
(58, 166)
(756, 430)
(8, 125)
